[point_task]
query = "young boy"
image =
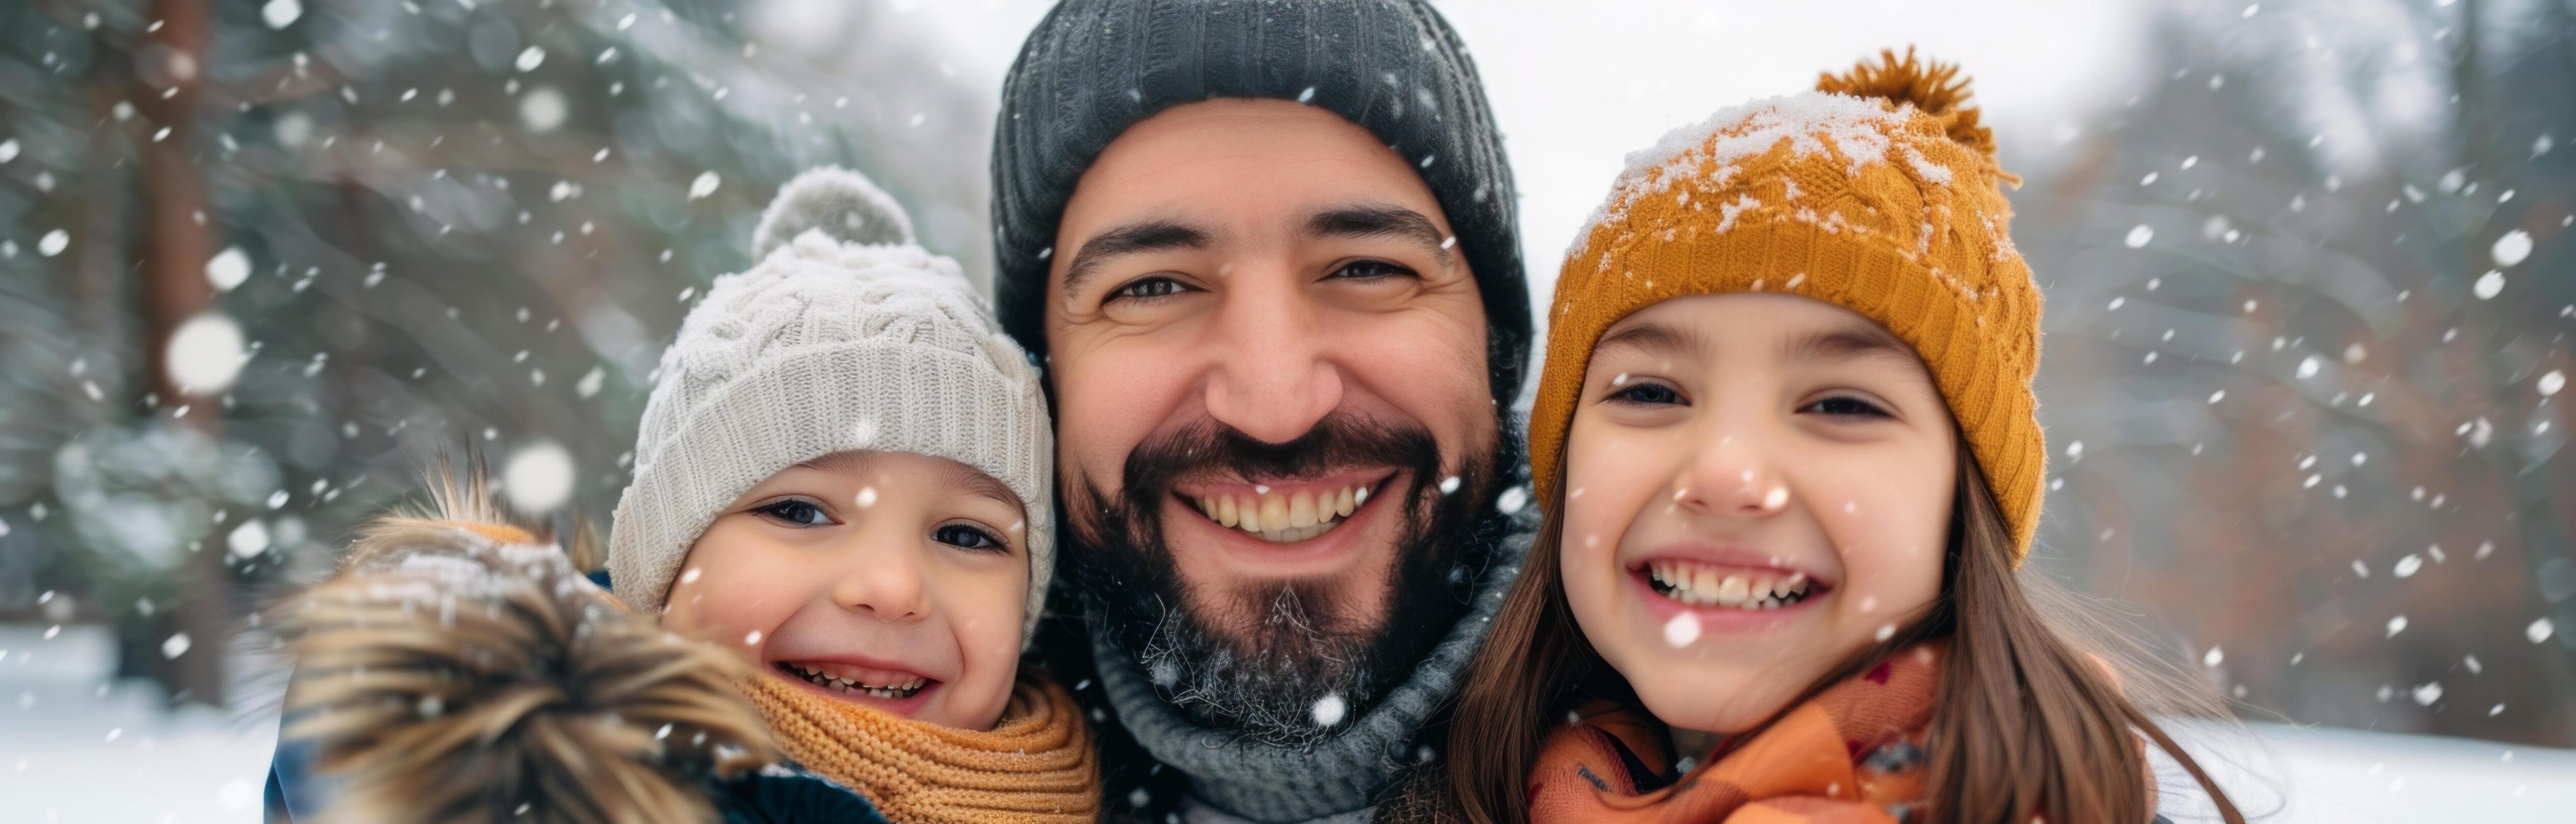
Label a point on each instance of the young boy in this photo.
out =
(842, 480)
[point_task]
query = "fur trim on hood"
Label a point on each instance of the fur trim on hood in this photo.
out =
(457, 668)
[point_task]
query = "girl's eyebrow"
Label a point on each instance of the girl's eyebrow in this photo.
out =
(1847, 342)
(1656, 337)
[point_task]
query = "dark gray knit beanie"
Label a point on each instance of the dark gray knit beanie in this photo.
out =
(1093, 68)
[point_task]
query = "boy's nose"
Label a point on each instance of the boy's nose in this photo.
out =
(884, 584)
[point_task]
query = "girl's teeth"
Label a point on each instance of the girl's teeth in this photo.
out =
(1695, 585)
(1731, 593)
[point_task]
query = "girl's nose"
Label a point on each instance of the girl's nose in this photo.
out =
(884, 582)
(1731, 476)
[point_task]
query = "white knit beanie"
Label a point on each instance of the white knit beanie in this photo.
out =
(845, 334)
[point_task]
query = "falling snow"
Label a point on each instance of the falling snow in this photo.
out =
(1328, 710)
(1681, 630)
(2512, 248)
(228, 269)
(538, 477)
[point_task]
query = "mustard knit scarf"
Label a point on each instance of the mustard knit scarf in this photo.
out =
(1036, 765)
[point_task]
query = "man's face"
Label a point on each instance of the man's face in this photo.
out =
(1269, 360)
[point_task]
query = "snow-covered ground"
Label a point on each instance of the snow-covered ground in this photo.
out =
(76, 747)
(2338, 775)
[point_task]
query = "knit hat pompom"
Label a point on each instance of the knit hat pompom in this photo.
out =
(837, 202)
(1932, 87)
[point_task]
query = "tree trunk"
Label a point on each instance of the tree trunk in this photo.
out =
(178, 239)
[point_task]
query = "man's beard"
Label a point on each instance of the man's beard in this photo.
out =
(1278, 681)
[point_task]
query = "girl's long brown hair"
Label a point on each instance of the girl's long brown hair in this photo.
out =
(2025, 721)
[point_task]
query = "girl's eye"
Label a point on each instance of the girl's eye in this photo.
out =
(1845, 406)
(1148, 288)
(1370, 270)
(1647, 392)
(968, 537)
(796, 513)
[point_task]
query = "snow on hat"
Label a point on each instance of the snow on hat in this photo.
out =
(844, 334)
(1877, 192)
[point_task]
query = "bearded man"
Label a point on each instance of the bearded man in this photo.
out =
(1267, 256)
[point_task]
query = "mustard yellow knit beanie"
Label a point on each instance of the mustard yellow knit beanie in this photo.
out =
(1879, 193)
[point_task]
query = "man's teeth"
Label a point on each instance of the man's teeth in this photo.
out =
(1697, 585)
(900, 689)
(1283, 517)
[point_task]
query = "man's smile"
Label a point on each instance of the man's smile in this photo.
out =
(1280, 511)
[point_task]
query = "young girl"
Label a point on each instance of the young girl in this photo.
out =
(1787, 442)
(841, 482)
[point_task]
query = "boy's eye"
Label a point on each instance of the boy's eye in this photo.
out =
(1147, 288)
(1370, 269)
(795, 513)
(1845, 406)
(1647, 392)
(963, 536)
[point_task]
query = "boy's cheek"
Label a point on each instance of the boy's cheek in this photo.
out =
(728, 598)
(989, 608)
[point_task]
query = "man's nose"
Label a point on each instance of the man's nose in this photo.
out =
(1274, 375)
(882, 579)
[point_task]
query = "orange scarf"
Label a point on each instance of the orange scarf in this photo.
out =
(1036, 765)
(1854, 753)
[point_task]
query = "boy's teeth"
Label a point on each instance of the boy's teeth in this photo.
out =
(1697, 585)
(901, 689)
(1284, 517)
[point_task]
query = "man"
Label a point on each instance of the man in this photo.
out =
(1267, 255)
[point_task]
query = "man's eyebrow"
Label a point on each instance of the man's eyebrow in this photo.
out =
(1655, 337)
(1150, 235)
(1380, 220)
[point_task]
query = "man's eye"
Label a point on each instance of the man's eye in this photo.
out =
(1647, 392)
(1370, 269)
(967, 537)
(796, 513)
(1844, 406)
(1152, 287)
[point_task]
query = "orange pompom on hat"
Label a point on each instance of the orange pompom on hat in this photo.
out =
(1877, 192)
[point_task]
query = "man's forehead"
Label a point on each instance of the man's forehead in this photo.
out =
(1244, 163)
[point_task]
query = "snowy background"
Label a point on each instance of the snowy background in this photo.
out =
(2307, 264)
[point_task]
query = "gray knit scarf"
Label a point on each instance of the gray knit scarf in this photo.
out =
(1341, 774)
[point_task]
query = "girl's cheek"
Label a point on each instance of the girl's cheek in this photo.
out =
(1891, 540)
(1609, 484)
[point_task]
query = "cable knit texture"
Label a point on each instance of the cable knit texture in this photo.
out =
(1347, 772)
(1036, 765)
(1093, 68)
(843, 336)
(1880, 194)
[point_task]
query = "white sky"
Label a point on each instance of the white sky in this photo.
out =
(1578, 85)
